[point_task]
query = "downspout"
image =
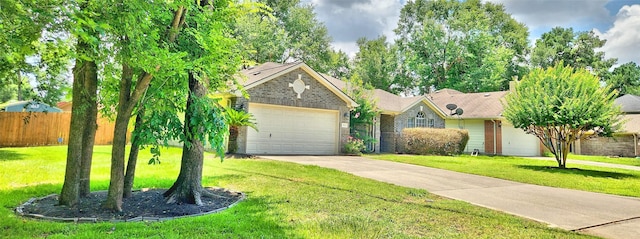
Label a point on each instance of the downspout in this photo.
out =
(635, 144)
(495, 147)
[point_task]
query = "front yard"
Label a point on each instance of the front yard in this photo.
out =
(283, 201)
(540, 172)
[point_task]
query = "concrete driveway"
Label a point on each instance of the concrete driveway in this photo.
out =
(599, 214)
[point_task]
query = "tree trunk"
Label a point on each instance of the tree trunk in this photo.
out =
(232, 146)
(188, 186)
(83, 71)
(133, 156)
(90, 125)
(126, 103)
(116, 182)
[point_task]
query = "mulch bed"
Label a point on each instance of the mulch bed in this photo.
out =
(143, 205)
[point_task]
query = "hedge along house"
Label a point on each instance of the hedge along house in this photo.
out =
(624, 142)
(297, 110)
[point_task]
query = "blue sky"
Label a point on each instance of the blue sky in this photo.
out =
(617, 21)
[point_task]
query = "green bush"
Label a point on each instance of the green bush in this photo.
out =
(354, 146)
(427, 141)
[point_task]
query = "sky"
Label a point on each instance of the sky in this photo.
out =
(617, 21)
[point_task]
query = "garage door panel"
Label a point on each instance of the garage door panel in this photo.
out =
(516, 142)
(293, 130)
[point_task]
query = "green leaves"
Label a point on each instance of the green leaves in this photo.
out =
(560, 105)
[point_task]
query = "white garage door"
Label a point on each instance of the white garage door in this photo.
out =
(518, 143)
(293, 130)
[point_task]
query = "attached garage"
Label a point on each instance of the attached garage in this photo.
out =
(297, 111)
(518, 143)
(293, 130)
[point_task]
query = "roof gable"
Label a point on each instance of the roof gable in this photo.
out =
(258, 75)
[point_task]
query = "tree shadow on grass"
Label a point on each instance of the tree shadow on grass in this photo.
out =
(578, 171)
(10, 155)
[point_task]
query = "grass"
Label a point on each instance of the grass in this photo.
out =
(540, 172)
(283, 201)
(604, 159)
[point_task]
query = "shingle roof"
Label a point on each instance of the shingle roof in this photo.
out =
(385, 101)
(257, 73)
(485, 105)
(629, 103)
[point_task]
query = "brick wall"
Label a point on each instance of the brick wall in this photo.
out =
(619, 145)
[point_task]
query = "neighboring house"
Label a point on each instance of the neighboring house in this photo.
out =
(299, 111)
(489, 132)
(623, 143)
(28, 106)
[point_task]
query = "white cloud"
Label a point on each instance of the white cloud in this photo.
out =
(552, 13)
(623, 39)
(349, 20)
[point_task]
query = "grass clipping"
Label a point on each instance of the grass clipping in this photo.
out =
(429, 141)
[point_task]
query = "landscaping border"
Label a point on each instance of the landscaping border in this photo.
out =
(20, 211)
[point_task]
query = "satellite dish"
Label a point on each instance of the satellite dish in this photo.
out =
(459, 111)
(451, 106)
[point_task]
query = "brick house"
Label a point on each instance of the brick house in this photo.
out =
(623, 143)
(300, 111)
(297, 111)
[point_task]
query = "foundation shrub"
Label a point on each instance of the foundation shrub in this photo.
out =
(428, 141)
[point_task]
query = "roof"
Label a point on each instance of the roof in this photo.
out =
(629, 103)
(485, 105)
(388, 102)
(257, 75)
(28, 106)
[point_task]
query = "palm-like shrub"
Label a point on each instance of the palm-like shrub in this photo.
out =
(236, 119)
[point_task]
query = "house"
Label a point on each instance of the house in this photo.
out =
(489, 132)
(297, 110)
(28, 106)
(623, 143)
(300, 111)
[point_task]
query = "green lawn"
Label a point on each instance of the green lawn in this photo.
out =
(604, 159)
(283, 201)
(533, 171)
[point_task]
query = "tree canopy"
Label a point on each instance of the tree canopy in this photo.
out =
(560, 105)
(469, 46)
(625, 79)
(575, 49)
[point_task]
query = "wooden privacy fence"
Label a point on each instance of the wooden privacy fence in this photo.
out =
(19, 129)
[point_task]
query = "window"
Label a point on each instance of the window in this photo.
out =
(432, 123)
(411, 122)
(421, 120)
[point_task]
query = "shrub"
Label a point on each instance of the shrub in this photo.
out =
(426, 141)
(354, 146)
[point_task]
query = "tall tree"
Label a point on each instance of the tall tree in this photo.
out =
(291, 33)
(575, 49)
(32, 36)
(465, 45)
(560, 105)
(216, 59)
(375, 63)
(625, 79)
(143, 48)
(84, 106)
